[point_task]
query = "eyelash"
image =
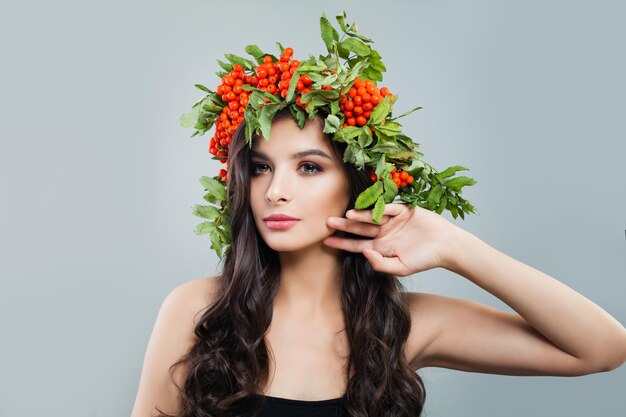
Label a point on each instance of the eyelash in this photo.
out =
(254, 173)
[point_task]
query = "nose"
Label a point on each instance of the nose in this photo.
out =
(279, 188)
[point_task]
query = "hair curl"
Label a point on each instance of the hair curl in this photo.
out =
(229, 364)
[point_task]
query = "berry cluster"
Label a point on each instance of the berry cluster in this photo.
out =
(275, 77)
(232, 114)
(357, 105)
(270, 76)
(400, 177)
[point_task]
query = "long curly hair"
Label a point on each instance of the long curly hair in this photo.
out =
(229, 363)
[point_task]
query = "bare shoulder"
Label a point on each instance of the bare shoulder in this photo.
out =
(173, 335)
(193, 297)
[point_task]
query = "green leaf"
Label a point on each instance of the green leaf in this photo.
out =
(356, 46)
(224, 237)
(204, 228)
(227, 66)
(448, 172)
(407, 143)
(380, 111)
(391, 189)
(442, 204)
(375, 61)
(329, 34)
(334, 107)
(379, 208)
(327, 80)
(363, 38)
(372, 74)
(211, 198)
(355, 70)
(251, 124)
(401, 155)
(386, 148)
(343, 52)
(434, 196)
(365, 137)
(380, 165)
(216, 243)
(341, 19)
(265, 118)
(369, 196)
(236, 59)
(331, 124)
(459, 182)
(453, 210)
(388, 129)
(292, 84)
(360, 159)
(298, 114)
(207, 212)
(203, 88)
(406, 113)
(310, 66)
(256, 52)
(214, 186)
(227, 230)
(348, 156)
(320, 97)
(190, 117)
(351, 132)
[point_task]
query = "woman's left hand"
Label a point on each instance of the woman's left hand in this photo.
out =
(406, 241)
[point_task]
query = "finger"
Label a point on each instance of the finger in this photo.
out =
(394, 209)
(382, 264)
(347, 244)
(365, 216)
(352, 226)
(390, 210)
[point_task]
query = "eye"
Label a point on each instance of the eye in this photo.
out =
(311, 168)
(253, 170)
(315, 167)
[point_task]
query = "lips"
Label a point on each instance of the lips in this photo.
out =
(280, 221)
(279, 217)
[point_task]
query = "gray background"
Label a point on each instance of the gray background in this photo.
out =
(97, 178)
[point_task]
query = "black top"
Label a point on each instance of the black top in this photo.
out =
(285, 407)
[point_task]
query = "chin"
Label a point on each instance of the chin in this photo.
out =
(283, 245)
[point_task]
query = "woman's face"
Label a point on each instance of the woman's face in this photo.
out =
(286, 179)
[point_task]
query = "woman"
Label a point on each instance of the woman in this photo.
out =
(308, 316)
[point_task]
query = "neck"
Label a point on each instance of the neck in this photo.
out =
(310, 281)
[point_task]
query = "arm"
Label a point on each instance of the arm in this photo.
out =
(171, 338)
(557, 330)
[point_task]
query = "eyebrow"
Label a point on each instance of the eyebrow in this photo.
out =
(293, 156)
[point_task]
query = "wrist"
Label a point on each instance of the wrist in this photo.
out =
(457, 245)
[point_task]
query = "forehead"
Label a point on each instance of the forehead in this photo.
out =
(287, 138)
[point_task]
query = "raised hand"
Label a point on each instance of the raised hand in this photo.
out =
(406, 241)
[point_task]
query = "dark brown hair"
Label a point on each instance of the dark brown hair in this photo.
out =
(229, 364)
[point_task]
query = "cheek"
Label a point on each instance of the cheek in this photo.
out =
(336, 196)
